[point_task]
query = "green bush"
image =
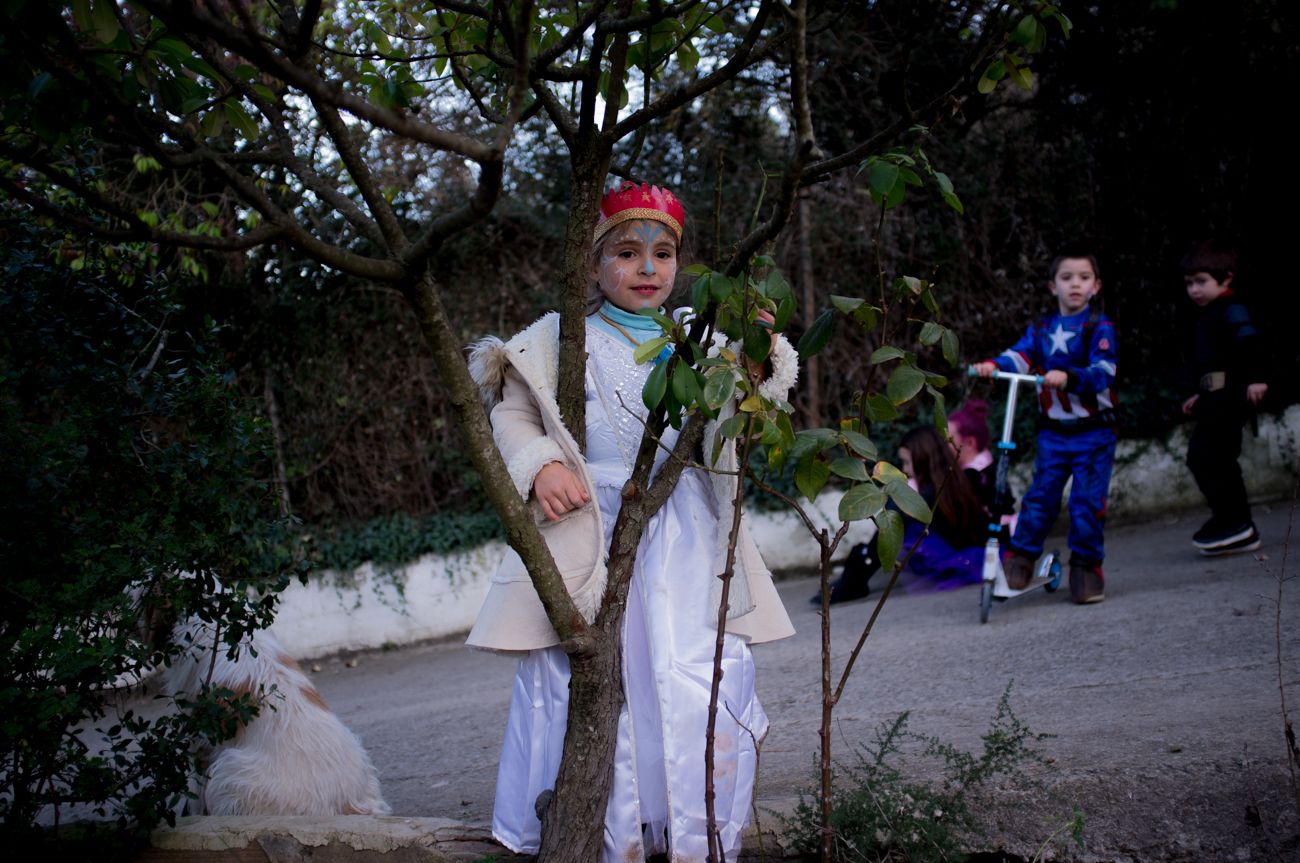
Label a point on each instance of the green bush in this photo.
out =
(129, 458)
(879, 814)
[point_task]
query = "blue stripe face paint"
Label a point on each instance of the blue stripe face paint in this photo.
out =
(648, 232)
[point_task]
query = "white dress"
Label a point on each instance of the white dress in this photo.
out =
(656, 803)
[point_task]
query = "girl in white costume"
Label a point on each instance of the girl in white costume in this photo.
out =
(656, 803)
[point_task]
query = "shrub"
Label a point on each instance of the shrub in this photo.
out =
(879, 814)
(129, 457)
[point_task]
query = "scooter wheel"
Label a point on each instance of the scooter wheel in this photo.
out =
(986, 600)
(1054, 574)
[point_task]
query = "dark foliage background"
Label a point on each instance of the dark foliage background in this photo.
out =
(1152, 125)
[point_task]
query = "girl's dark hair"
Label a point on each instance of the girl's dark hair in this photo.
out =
(933, 464)
(971, 419)
(1208, 256)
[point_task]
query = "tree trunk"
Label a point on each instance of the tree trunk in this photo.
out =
(811, 390)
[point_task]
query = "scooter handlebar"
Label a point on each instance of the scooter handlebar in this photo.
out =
(1007, 376)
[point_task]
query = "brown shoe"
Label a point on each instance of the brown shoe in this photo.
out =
(1018, 569)
(1087, 584)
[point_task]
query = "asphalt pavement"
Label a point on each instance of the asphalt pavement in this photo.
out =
(1163, 703)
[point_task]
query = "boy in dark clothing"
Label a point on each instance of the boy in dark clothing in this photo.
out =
(1228, 364)
(1075, 352)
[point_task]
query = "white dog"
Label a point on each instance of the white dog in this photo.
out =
(295, 757)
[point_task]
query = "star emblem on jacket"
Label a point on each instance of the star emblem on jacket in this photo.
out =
(1061, 339)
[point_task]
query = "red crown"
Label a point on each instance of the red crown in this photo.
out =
(631, 201)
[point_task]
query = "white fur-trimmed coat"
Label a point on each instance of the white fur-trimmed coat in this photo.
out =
(517, 381)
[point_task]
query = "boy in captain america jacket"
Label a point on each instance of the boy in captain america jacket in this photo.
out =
(1075, 352)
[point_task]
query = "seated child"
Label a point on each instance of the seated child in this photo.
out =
(1075, 352)
(969, 429)
(1229, 367)
(952, 553)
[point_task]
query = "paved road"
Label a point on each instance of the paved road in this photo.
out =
(1163, 700)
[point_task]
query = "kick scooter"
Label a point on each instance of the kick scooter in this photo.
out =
(1047, 574)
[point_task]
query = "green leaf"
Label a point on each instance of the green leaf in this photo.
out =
(103, 20)
(655, 386)
(649, 350)
(810, 477)
(861, 502)
(880, 409)
(847, 305)
(720, 388)
(940, 411)
(686, 389)
(953, 201)
(950, 347)
(884, 472)
(212, 123)
(775, 286)
(784, 311)
(908, 500)
(758, 342)
(817, 335)
(376, 34)
(687, 57)
(888, 352)
(700, 292)
(932, 332)
(1023, 76)
(239, 119)
(721, 287)
(867, 316)
(1026, 30)
(665, 323)
(732, 427)
(895, 195)
(882, 178)
(787, 429)
(904, 383)
(811, 441)
(850, 468)
(889, 537)
(860, 444)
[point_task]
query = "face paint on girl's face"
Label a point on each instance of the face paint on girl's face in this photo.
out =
(637, 266)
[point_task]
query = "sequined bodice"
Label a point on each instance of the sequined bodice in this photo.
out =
(615, 409)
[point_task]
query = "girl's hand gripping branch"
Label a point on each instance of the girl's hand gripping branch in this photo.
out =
(558, 490)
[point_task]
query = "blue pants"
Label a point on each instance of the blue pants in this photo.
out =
(1088, 457)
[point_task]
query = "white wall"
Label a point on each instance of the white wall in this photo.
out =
(362, 609)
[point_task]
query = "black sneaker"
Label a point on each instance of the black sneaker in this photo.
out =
(854, 583)
(1215, 536)
(1247, 540)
